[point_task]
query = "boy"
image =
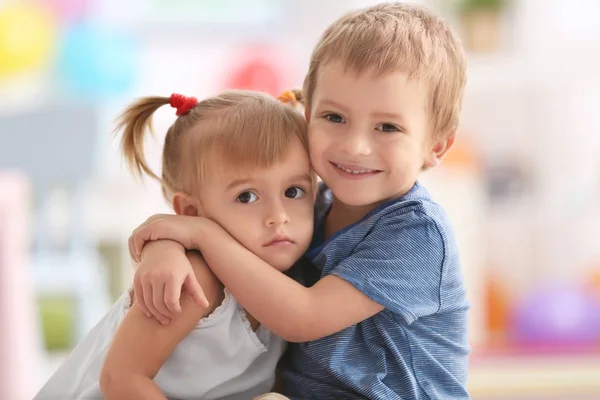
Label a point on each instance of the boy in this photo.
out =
(387, 317)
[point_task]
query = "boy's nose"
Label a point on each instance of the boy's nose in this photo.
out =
(357, 144)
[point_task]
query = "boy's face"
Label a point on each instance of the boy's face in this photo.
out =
(370, 135)
(268, 210)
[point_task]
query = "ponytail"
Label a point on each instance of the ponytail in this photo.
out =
(134, 122)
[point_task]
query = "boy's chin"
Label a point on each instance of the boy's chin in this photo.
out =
(367, 198)
(358, 198)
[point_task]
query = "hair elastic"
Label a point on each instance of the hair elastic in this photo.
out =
(182, 103)
(287, 97)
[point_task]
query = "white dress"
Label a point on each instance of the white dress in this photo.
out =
(221, 358)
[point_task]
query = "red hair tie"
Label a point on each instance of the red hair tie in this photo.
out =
(182, 103)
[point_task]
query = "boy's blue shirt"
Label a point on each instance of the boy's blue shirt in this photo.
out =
(402, 255)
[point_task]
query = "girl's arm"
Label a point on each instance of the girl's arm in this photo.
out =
(142, 345)
(290, 310)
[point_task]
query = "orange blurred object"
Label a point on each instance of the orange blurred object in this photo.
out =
(498, 310)
(595, 280)
(462, 155)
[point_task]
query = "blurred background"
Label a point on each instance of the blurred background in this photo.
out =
(522, 184)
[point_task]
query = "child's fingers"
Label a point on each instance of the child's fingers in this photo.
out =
(172, 296)
(138, 293)
(195, 290)
(158, 300)
(148, 301)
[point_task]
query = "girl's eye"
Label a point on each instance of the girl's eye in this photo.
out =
(335, 118)
(247, 197)
(388, 128)
(294, 192)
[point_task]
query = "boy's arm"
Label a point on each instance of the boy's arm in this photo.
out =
(142, 345)
(290, 310)
(398, 266)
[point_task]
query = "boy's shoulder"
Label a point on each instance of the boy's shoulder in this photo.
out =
(413, 209)
(417, 206)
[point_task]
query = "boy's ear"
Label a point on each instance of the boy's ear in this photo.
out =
(186, 205)
(439, 150)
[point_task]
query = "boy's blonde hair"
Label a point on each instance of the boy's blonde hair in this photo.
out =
(392, 37)
(234, 130)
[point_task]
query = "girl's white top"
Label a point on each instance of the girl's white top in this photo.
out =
(221, 358)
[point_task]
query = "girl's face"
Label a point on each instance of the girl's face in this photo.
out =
(268, 210)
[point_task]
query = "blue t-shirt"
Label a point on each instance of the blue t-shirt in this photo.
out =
(403, 256)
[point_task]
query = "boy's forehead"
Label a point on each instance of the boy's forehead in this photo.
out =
(351, 88)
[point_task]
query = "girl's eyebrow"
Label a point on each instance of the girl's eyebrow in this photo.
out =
(238, 182)
(302, 177)
(247, 181)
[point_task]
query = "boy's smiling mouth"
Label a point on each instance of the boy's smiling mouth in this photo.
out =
(354, 171)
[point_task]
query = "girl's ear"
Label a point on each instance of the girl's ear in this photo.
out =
(186, 205)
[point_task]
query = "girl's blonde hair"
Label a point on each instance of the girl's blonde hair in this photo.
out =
(234, 130)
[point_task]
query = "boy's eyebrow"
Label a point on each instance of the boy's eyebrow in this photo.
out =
(383, 115)
(334, 104)
(388, 115)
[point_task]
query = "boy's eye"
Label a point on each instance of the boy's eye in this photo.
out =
(335, 118)
(388, 128)
(294, 192)
(247, 197)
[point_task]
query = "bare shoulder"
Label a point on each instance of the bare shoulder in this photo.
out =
(212, 287)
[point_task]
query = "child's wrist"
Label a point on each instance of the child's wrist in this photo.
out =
(205, 232)
(161, 246)
(200, 230)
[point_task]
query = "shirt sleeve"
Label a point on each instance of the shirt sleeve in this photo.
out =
(399, 265)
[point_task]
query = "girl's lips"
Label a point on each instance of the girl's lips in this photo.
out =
(279, 240)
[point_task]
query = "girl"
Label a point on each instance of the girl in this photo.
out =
(240, 159)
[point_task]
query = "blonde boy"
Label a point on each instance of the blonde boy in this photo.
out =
(387, 316)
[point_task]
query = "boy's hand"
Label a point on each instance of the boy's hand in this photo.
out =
(178, 228)
(161, 275)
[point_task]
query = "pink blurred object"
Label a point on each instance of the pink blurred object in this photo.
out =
(257, 69)
(19, 357)
(68, 10)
